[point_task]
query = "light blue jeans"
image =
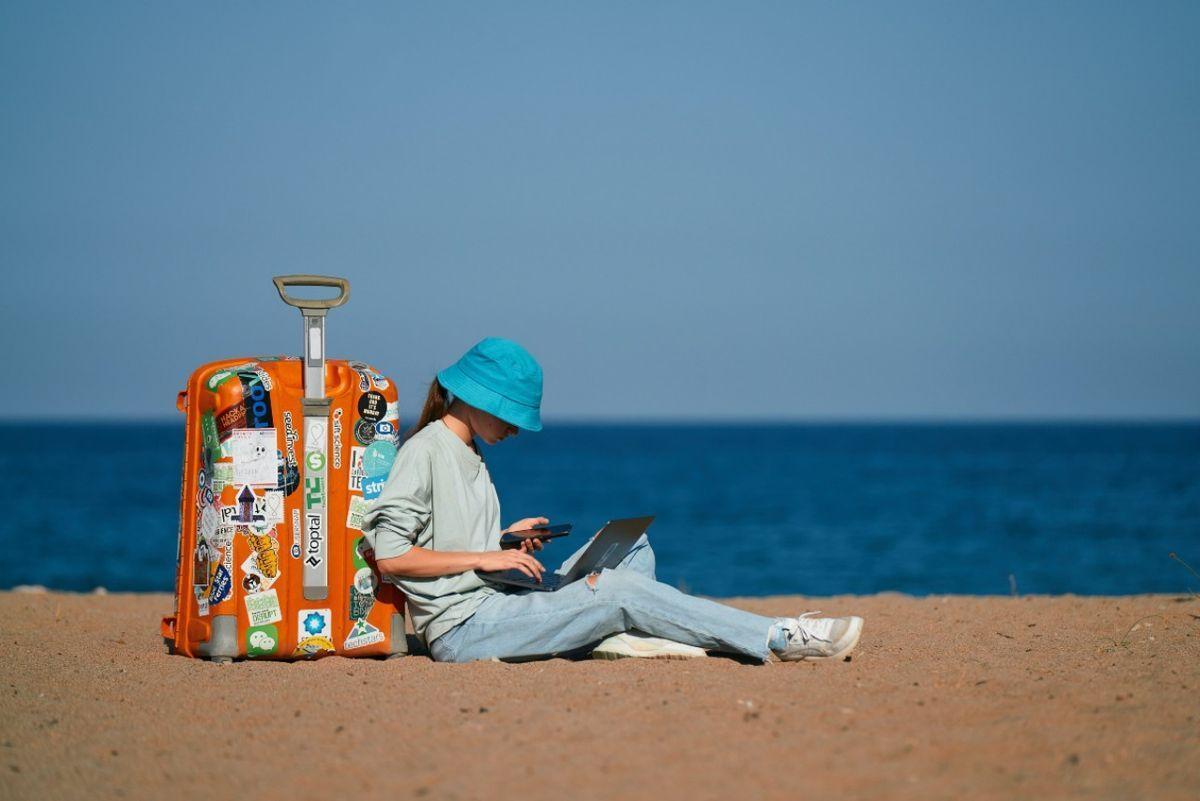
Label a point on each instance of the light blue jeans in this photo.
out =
(527, 623)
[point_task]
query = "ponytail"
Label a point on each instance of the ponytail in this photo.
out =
(437, 403)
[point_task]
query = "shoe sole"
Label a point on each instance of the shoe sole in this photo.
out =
(610, 655)
(856, 627)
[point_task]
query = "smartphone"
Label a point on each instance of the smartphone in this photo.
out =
(540, 532)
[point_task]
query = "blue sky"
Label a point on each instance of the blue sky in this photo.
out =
(685, 210)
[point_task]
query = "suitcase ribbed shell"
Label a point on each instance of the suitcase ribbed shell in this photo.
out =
(243, 532)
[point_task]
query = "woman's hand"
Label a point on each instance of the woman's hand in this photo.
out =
(509, 559)
(533, 543)
(527, 523)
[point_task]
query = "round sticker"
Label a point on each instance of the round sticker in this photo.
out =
(378, 457)
(385, 428)
(315, 460)
(372, 406)
(364, 581)
(364, 432)
(287, 477)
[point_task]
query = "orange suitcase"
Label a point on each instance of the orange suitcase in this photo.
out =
(280, 459)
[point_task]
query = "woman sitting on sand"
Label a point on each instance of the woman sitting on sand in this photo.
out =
(437, 521)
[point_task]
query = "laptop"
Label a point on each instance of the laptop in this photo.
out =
(607, 549)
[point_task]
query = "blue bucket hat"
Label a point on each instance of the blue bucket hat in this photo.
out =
(501, 378)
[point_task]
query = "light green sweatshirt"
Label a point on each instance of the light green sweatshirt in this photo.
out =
(438, 496)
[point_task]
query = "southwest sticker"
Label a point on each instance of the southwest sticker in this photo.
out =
(263, 608)
(362, 634)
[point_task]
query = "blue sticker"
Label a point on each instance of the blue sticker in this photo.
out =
(314, 624)
(378, 457)
(256, 400)
(371, 487)
(385, 428)
(221, 585)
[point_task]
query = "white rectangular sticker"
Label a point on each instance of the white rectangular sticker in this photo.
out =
(270, 506)
(222, 476)
(210, 519)
(263, 608)
(255, 460)
(356, 469)
(358, 508)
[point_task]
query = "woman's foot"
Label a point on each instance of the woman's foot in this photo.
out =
(815, 638)
(642, 646)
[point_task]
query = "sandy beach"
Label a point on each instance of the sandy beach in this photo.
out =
(946, 697)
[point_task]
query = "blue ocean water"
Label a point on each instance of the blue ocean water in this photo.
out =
(741, 510)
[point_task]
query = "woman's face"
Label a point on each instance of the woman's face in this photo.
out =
(489, 428)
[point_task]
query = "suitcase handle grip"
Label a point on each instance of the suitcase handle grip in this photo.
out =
(341, 284)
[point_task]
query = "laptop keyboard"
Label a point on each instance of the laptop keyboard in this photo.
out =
(548, 579)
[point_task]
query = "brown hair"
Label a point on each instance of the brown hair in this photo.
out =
(437, 403)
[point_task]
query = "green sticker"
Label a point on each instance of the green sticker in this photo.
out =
(360, 604)
(208, 427)
(219, 378)
(315, 460)
(356, 552)
(261, 640)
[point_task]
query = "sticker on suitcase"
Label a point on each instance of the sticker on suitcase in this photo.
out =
(356, 469)
(314, 526)
(362, 593)
(314, 628)
(255, 459)
(362, 634)
(262, 608)
(358, 509)
(256, 398)
(262, 640)
(262, 567)
(337, 439)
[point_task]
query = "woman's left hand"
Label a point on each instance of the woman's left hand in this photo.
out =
(533, 543)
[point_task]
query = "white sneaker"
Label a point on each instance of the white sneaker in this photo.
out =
(818, 638)
(643, 646)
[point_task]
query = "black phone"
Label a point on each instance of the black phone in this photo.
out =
(538, 532)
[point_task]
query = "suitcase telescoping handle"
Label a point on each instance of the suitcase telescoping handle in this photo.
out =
(316, 425)
(314, 323)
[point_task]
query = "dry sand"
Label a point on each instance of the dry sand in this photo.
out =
(947, 697)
